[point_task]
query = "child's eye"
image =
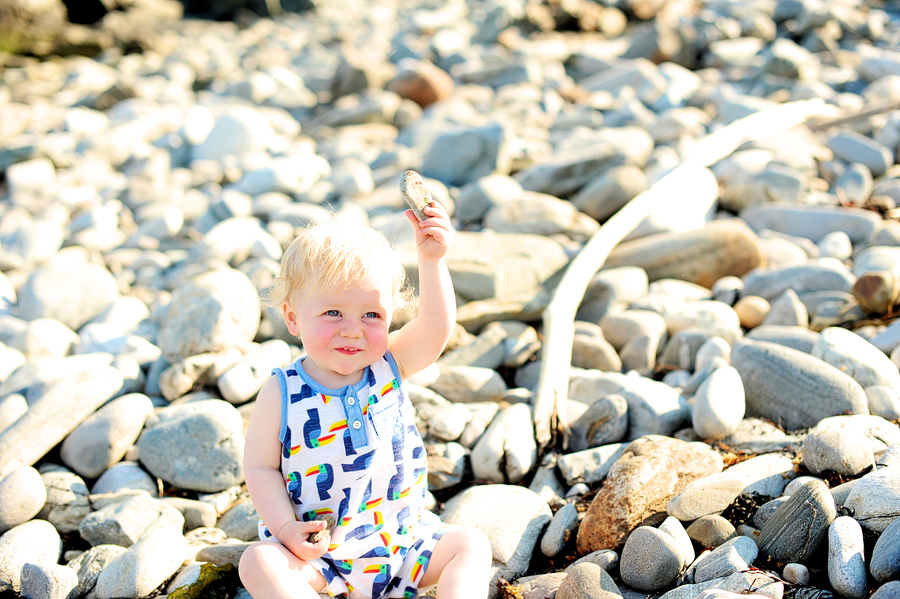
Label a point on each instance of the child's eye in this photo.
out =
(332, 313)
(371, 314)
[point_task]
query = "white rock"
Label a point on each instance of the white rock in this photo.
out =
(846, 561)
(719, 404)
(22, 495)
(857, 357)
(34, 541)
(507, 450)
(242, 382)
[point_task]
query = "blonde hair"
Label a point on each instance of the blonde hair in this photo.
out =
(337, 253)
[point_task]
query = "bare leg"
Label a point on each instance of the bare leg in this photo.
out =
(460, 564)
(269, 571)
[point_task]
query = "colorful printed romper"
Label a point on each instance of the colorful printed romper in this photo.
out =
(355, 454)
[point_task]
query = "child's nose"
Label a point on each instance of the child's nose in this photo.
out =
(351, 328)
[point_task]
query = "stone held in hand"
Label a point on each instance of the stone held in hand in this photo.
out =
(415, 193)
(329, 524)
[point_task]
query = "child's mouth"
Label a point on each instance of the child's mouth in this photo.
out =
(348, 350)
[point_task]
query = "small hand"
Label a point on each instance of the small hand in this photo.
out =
(435, 233)
(295, 536)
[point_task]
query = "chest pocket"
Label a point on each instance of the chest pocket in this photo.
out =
(384, 414)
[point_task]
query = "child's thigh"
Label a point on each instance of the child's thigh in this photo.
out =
(272, 559)
(465, 544)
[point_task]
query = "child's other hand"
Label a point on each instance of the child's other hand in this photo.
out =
(295, 536)
(435, 233)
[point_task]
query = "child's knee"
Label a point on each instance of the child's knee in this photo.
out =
(472, 542)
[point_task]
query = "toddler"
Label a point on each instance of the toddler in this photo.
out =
(333, 434)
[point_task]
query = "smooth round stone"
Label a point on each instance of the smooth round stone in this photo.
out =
(104, 437)
(710, 531)
(45, 338)
(467, 384)
(718, 404)
(812, 222)
(848, 444)
(767, 474)
(22, 495)
(506, 451)
(197, 445)
(594, 353)
(35, 541)
(883, 401)
(11, 408)
(856, 357)
(765, 512)
(854, 147)
(885, 563)
(796, 574)
(727, 289)
(511, 517)
(72, 294)
(145, 565)
(856, 185)
(214, 311)
(602, 197)
(449, 422)
(650, 559)
(479, 196)
(799, 338)
(708, 495)
(846, 564)
(732, 556)
(240, 521)
(612, 291)
(793, 388)
(604, 422)
(799, 526)
(701, 314)
(829, 275)
(794, 486)
(835, 245)
(561, 527)
(787, 310)
(672, 526)
(242, 382)
(700, 256)
(875, 498)
(52, 581)
(539, 214)
(125, 476)
(238, 131)
(587, 581)
(713, 348)
(605, 558)
(890, 590)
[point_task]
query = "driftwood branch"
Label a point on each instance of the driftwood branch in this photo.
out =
(559, 316)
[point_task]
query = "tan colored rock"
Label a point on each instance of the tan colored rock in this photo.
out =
(421, 82)
(751, 309)
(703, 256)
(652, 471)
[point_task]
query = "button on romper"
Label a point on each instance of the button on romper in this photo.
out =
(355, 453)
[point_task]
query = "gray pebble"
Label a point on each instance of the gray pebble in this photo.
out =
(34, 541)
(796, 574)
(731, 556)
(846, 562)
(799, 525)
(50, 581)
(890, 590)
(710, 531)
(650, 559)
(560, 530)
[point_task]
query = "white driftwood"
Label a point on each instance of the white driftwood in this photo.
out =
(559, 316)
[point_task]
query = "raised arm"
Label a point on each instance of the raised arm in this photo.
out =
(262, 471)
(420, 342)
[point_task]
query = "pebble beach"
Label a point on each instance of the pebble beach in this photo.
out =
(731, 425)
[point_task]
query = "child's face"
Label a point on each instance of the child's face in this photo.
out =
(342, 331)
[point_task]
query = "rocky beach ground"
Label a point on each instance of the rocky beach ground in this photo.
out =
(731, 420)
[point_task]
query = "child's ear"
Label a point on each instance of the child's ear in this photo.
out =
(290, 318)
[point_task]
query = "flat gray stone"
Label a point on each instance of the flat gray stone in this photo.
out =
(811, 222)
(124, 522)
(708, 495)
(793, 388)
(875, 498)
(767, 474)
(799, 338)
(590, 465)
(240, 521)
(104, 436)
(511, 517)
(40, 429)
(732, 556)
(857, 357)
(854, 147)
(125, 476)
(144, 566)
(799, 526)
(827, 275)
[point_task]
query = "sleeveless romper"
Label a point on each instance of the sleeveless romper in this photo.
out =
(355, 453)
